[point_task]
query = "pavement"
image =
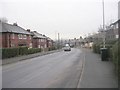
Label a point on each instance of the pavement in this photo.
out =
(97, 73)
(25, 57)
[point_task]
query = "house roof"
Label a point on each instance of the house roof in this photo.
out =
(115, 22)
(12, 28)
(37, 35)
(47, 38)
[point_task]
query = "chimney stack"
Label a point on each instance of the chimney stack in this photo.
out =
(28, 30)
(15, 24)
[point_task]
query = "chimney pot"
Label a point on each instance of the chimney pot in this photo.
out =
(15, 24)
(28, 30)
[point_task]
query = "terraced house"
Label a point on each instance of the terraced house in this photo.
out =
(14, 36)
(39, 41)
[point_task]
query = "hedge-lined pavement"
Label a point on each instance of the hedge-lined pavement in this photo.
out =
(20, 58)
(97, 73)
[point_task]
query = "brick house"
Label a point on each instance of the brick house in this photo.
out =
(14, 36)
(39, 41)
(49, 42)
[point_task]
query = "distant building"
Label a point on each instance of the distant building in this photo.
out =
(14, 36)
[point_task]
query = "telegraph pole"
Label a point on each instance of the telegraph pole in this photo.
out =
(103, 24)
(58, 40)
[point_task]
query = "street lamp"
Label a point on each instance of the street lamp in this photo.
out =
(103, 25)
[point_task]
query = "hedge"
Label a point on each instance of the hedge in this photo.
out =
(23, 50)
(52, 48)
(96, 48)
(116, 55)
(113, 53)
(13, 52)
(10, 52)
(34, 50)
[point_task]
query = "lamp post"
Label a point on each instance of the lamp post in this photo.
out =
(103, 25)
(58, 40)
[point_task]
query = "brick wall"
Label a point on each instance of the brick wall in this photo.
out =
(11, 40)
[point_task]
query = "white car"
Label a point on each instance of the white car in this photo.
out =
(67, 48)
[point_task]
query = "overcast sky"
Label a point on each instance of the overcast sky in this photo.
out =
(70, 18)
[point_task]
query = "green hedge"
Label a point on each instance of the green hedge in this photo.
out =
(13, 52)
(23, 50)
(10, 52)
(52, 48)
(34, 50)
(96, 48)
(116, 56)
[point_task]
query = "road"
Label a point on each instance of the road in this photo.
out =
(57, 70)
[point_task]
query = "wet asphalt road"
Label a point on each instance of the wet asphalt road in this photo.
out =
(57, 70)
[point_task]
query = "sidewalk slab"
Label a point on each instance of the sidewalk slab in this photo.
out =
(97, 73)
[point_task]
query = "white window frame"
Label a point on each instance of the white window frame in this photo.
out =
(30, 37)
(24, 36)
(41, 40)
(13, 36)
(20, 36)
(39, 46)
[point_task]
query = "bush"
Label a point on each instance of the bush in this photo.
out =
(10, 52)
(34, 50)
(51, 48)
(116, 55)
(13, 52)
(96, 48)
(23, 50)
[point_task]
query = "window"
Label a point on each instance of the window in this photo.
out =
(45, 45)
(24, 36)
(30, 37)
(42, 40)
(39, 40)
(20, 36)
(38, 46)
(12, 45)
(116, 25)
(13, 36)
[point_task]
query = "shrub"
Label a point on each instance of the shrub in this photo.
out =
(23, 50)
(116, 55)
(10, 52)
(34, 50)
(51, 48)
(96, 48)
(13, 52)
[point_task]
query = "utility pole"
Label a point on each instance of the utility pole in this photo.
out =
(119, 20)
(119, 29)
(103, 25)
(58, 40)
